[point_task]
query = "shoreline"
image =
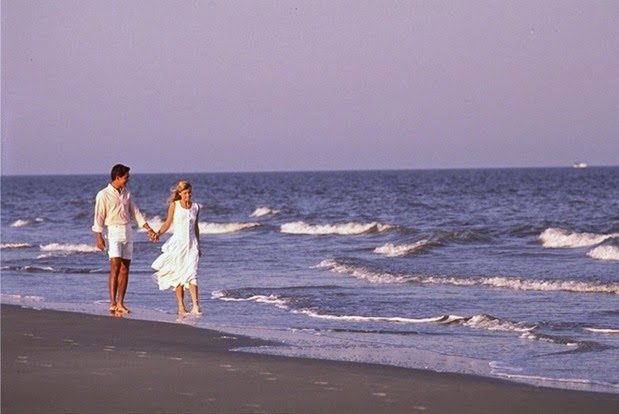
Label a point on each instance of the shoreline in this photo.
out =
(57, 361)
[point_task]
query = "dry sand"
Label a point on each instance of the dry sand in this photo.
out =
(62, 362)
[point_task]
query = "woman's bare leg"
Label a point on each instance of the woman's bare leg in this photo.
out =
(180, 297)
(193, 290)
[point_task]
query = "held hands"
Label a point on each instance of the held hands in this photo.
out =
(154, 237)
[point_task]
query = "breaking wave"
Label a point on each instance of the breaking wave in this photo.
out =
(14, 246)
(606, 253)
(206, 228)
(223, 228)
(69, 248)
(554, 238)
(344, 229)
(275, 300)
(50, 269)
(359, 272)
(603, 330)
(263, 211)
(393, 250)
(23, 222)
(482, 322)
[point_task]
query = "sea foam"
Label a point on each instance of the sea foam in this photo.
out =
(69, 248)
(20, 223)
(482, 321)
(393, 250)
(344, 229)
(14, 246)
(222, 228)
(265, 299)
(555, 238)
(378, 277)
(263, 211)
(206, 228)
(606, 253)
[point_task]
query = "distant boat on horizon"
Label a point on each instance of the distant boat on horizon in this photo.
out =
(580, 164)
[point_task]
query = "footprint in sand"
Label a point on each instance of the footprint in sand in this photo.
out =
(229, 368)
(270, 376)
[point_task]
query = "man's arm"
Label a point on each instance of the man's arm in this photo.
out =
(100, 241)
(141, 220)
(99, 221)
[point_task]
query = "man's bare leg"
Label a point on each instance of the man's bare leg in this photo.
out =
(123, 282)
(113, 282)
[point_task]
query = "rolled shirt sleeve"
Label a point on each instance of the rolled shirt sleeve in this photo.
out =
(99, 221)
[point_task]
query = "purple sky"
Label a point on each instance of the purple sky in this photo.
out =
(201, 86)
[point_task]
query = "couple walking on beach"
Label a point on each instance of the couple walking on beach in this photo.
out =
(176, 267)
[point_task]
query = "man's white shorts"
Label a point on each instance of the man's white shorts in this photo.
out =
(120, 242)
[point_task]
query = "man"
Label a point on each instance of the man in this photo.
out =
(114, 209)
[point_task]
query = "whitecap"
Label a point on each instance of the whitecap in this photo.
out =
(20, 223)
(603, 330)
(263, 211)
(264, 299)
(393, 250)
(606, 253)
(346, 229)
(384, 319)
(69, 248)
(494, 324)
(554, 238)
(502, 282)
(222, 228)
(14, 245)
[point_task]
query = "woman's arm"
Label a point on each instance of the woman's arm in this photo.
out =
(197, 230)
(168, 221)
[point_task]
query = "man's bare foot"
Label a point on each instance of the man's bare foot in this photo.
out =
(122, 309)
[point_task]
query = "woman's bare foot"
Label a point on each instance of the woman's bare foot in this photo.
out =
(112, 308)
(121, 309)
(196, 310)
(182, 311)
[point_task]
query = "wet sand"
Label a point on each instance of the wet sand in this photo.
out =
(63, 362)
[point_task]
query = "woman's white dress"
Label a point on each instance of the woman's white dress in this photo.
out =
(178, 263)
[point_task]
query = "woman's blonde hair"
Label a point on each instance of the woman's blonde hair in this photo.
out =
(181, 186)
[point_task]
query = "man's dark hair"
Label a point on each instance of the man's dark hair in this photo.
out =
(119, 170)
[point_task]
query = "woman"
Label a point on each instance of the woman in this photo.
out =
(177, 266)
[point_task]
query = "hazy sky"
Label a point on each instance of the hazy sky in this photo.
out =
(201, 86)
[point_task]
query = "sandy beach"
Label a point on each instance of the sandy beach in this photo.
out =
(62, 362)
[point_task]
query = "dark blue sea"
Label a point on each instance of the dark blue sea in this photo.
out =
(508, 273)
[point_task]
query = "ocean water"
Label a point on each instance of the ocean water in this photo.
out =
(508, 273)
